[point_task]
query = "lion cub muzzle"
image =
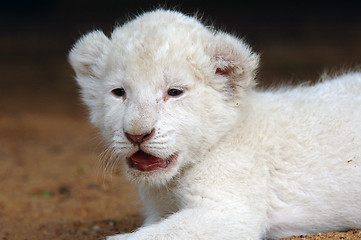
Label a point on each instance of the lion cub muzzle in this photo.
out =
(142, 160)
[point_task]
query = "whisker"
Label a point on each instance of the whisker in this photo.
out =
(115, 163)
(121, 142)
(108, 160)
(155, 147)
(163, 134)
(102, 163)
(156, 143)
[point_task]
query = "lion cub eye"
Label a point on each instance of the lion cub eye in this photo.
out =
(174, 92)
(118, 92)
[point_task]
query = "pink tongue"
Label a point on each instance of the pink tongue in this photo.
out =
(145, 162)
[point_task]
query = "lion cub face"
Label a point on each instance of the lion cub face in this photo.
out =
(163, 89)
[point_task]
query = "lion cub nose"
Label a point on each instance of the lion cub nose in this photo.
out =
(138, 139)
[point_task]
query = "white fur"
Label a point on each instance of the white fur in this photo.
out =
(251, 164)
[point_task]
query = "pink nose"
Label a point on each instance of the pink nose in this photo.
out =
(138, 139)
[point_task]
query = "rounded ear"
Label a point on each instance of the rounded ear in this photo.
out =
(86, 56)
(234, 65)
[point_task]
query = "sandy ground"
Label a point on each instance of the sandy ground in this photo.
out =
(50, 186)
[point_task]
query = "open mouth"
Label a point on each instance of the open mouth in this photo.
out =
(146, 162)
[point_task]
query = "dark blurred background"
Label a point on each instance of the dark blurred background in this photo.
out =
(298, 40)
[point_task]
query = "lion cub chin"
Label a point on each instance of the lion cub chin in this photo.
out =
(215, 158)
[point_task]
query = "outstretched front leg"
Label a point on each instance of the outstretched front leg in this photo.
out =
(201, 223)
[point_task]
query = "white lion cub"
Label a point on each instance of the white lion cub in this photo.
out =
(213, 157)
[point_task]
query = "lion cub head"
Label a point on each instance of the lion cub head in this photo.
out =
(163, 90)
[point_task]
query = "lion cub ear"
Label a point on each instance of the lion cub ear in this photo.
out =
(234, 65)
(87, 57)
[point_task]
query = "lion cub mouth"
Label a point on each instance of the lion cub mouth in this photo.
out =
(146, 162)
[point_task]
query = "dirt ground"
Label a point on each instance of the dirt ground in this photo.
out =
(50, 186)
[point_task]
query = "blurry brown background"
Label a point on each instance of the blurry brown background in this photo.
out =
(49, 185)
